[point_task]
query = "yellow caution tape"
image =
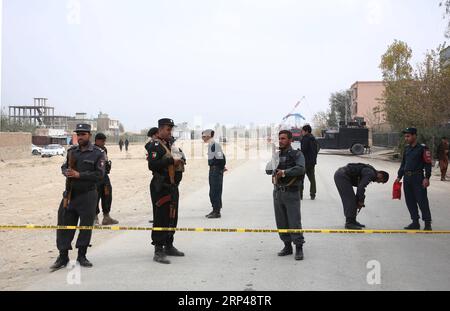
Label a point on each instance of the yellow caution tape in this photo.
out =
(221, 230)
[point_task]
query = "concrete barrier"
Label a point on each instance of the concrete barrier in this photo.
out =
(15, 146)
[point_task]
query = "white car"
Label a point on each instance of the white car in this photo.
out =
(35, 150)
(53, 150)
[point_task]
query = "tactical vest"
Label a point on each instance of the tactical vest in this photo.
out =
(354, 171)
(288, 160)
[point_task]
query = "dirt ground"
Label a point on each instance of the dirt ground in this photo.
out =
(31, 190)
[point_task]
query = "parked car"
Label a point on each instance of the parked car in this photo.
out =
(35, 150)
(53, 150)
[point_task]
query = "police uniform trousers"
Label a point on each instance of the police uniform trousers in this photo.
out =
(81, 211)
(347, 193)
(153, 195)
(165, 213)
(216, 187)
(104, 190)
(416, 197)
(287, 215)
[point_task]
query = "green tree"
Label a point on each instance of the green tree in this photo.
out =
(320, 121)
(340, 106)
(415, 97)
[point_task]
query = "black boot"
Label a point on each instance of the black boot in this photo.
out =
(313, 197)
(61, 261)
(214, 214)
(82, 260)
(299, 252)
(352, 224)
(428, 226)
(415, 225)
(287, 250)
(170, 250)
(359, 224)
(160, 256)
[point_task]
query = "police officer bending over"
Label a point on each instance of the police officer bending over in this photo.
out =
(84, 169)
(164, 191)
(360, 176)
(287, 170)
(416, 159)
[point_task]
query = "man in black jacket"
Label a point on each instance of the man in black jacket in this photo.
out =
(309, 150)
(356, 175)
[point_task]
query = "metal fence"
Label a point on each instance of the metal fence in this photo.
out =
(389, 140)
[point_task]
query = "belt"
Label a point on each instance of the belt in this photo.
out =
(287, 189)
(411, 173)
(216, 167)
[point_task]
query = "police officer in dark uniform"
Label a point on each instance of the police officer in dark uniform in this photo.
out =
(152, 135)
(357, 175)
(416, 159)
(164, 191)
(84, 169)
(104, 188)
(287, 176)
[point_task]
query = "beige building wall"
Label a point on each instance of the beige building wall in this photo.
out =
(366, 97)
(15, 146)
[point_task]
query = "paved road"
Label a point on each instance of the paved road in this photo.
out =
(232, 261)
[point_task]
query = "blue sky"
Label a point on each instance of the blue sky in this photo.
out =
(228, 61)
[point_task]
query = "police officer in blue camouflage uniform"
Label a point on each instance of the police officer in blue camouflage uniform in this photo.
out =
(416, 160)
(287, 176)
(84, 169)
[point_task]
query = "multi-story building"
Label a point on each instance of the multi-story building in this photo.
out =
(366, 101)
(108, 126)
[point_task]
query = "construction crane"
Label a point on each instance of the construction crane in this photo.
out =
(296, 129)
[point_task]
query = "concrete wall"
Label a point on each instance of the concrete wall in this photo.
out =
(15, 146)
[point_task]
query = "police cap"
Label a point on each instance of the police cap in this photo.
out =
(410, 130)
(83, 127)
(166, 121)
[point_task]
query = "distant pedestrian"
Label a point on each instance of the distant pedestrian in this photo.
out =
(127, 143)
(443, 157)
(121, 144)
(310, 150)
(416, 160)
(216, 162)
